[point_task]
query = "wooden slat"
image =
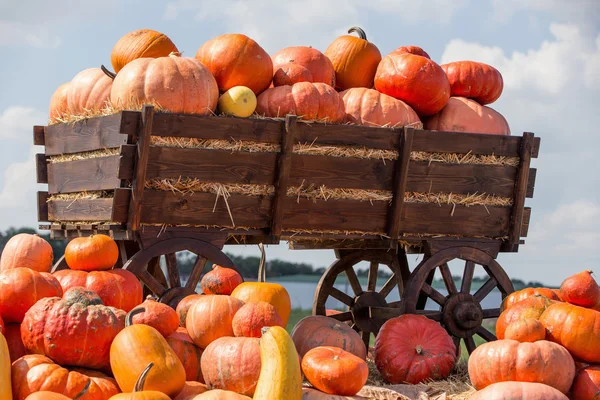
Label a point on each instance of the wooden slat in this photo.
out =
(284, 164)
(531, 182)
(516, 219)
(42, 206)
(141, 164)
(38, 135)
(100, 173)
(395, 215)
(127, 161)
(41, 168)
(80, 210)
(92, 134)
(525, 224)
(120, 208)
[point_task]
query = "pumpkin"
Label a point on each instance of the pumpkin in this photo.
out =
(525, 330)
(518, 391)
(530, 307)
(210, 317)
(92, 253)
(581, 289)
(191, 390)
(117, 288)
(576, 328)
(158, 315)
(88, 91)
(474, 80)
(27, 251)
(141, 43)
(183, 307)
(176, 84)
(58, 102)
(219, 394)
(237, 60)
(412, 348)
(238, 101)
(12, 334)
(311, 101)
(558, 294)
(317, 63)
(318, 330)
(220, 280)
(139, 393)
(54, 327)
(354, 60)
(522, 294)
(232, 364)
(313, 394)
(290, 73)
(586, 385)
(252, 317)
(46, 395)
(138, 345)
(508, 360)
(34, 371)
(188, 353)
(335, 371)
(21, 288)
(2, 327)
(416, 80)
(5, 381)
(416, 50)
(464, 115)
(369, 107)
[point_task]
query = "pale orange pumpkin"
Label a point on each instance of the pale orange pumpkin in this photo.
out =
(210, 317)
(290, 73)
(25, 250)
(518, 391)
(219, 394)
(319, 66)
(369, 107)
(88, 91)
(191, 390)
(58, 102)
(141, 43)
(92, 253)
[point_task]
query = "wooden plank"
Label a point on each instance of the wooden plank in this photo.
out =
(395, 215)
(100, 173)
(283, 173)
(521, 188)
(92, 134)
(531, 182)
(141, 164)
(120, 207)
(525, 224)
(535, 152)
(127, 161)
(42, 206)
(41, 168)
(80, 210)
(39, 135)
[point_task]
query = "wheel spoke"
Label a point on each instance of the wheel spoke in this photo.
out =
(448, 280)
(388, 286)
(456, 341)
(366, 337)
(151, 282)
(372, 280)
(395, 304)
(172, 270)
(434, 315)
(433, 294)
(485, 334)
(196, 273)
(487, 287)
(354, 282)
(491, 313)
(341, 296)
(470, 343)
(465, 286)
(345, 316)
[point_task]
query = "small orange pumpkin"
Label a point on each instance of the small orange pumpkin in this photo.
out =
(141, 43)
(220, 280)
(157, 315)
(58, 102)
(138, 390)
(252, 317)
(209, 318)
(531, 307)
(581, 290)
(92, 253)
(522, 294)
(46, 395)
(525, 330)
(25, 250)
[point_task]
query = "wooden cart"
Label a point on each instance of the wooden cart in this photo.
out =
(98, 170)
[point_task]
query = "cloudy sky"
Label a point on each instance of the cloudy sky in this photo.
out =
(547, 50)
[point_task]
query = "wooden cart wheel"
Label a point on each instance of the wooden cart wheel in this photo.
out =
(460, 312)
(145, 264)
(357, 313)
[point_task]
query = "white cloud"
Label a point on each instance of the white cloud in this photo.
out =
(18, 34)
(584, 11)
(16, 123)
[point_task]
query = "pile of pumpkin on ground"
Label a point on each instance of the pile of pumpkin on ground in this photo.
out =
(350, 82)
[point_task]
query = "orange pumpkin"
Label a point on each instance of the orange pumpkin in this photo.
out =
(319, 66)
(141, 43)
(474, 80)
(335, 371)
(184, 306)
(531, 307)
(290, 73)
(219, 394)
(518, 391)
(318, 330)
(464, 115)
(522, 294)
(89, 90)
(586, 385)
(354, 60)
(581, 289)
(220, 280)
(252, 317)
(311, 101)
(232, 364)
(237, 60)
(210, 317)
(157, 315)
(188, 353)
(58, 102)
(12, 334)
(369, 107)
(176, 84)
(2, 327)
(525, 330)
(416, 50)
(191, 390)
(92, 253)
(138, 390)
(27, 251)
(46, 395)
(508, 360)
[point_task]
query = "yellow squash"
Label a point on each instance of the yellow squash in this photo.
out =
(238, 101)
(5, 383)
(280, 375)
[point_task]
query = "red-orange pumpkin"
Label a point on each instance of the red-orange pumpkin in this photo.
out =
(237, 60)
(464, 115)
(416, 50)
(92, 253)
(369, 107)
(317, 63)
(141, 43)
(290, 73)
(210, 317)
(518, 391)
(157, 315)
(232, 364)
(184, 306)
(474, 80)
(252, 317)
(531, 307)
(318, 330)
(76, 329)
(27, 251)
(311, 101)
(12, 334)
(508, 360)
(412, 348)
(586, 385)
(89, 90)
(21, 288)
(117, 288)
(220, 280)
(581, 289)
(58, 102)
(519, 295)
(525, 330)
(188, 353)
(191, 390)
(2, 327)
(416, 80)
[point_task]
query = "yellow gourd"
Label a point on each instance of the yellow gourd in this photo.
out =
(238, 101)
(5, 382)
(280, 375)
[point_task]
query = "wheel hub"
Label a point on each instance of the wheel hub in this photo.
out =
(462, 315)
(360, 311)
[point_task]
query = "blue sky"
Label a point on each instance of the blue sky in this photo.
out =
(547, 50)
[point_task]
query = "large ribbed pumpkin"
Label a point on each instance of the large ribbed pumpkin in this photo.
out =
(92, 253)
(530, 307)
(464, 115)
(55, 327)
(369, 107)
(89, 90)
(474, 80)
(522, 294)
(141, 43)
(311, 101)
(58, 102)
(318, 330)
(176, 84)
(232, 364)
(237, 60)
(188, 353)
(320, 67)
(210, 317)
(586, 385)
(354, 60)
(414, 79)
(508, 360)
(157, 315)
(518, 391)
(27, 251)
(413, 348)
(576, 328)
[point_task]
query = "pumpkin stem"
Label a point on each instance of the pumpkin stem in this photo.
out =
(141, 380)
(130, 315)
(84, 390)
(419, 349)
(262, 269)
(110, 74)
(361, 33)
